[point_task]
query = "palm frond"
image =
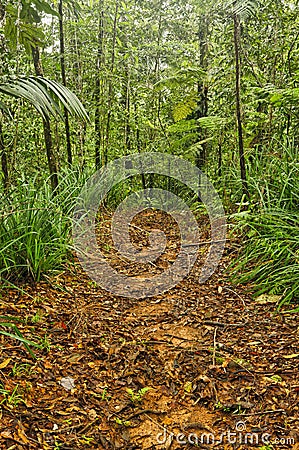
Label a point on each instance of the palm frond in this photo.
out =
(185, 76)
(243, 8)
(47, 96)
(212, 122)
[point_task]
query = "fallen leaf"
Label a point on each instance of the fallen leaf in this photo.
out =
(188, 386)
(5, 363)
(68, 383)
(267, 298)
(294, 355)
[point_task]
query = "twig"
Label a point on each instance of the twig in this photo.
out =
(144, 411)
(89, 425)
(195, 244)
(228, 289)
(221, 324)
(275, 411)
(214, 349)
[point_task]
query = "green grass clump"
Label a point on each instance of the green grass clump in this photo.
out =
(270, 253)
(35, 228)
(269, 257)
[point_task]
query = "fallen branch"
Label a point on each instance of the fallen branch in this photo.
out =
(262, 413)
(221, 324)
(195, 244)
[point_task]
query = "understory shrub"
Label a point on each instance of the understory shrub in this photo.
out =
(270, 253)
(35, 227)
(270, 228)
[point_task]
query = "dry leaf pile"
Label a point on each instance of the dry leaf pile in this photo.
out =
(179, 370)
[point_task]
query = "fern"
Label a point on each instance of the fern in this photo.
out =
(137, 397)
(185, 76)
(211, 122)
(183, 126)
(184, 109)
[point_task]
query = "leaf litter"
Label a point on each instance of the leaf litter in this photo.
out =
(179, 370)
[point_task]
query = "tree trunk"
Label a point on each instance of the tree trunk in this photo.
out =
(97, 116)
(237, 39)
(138, 140)
(202, 102)
(110, 89)
(202, 89)
(76, 74)
(219, 170)
(63, 78)
(4, 165)
(127, 130)
(46, 125)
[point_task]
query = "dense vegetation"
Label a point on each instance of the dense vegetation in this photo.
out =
(213, 82)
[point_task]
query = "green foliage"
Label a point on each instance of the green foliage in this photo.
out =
(10, 323)
(47, 96)
(21, 23)
(242, 7)
(35, 226)
(18, 31)
(12, 398)
(136, 397)
(186, 76)
(270, 228)
(184, 108)
(270, 255)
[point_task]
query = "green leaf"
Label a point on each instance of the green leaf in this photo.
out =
(47, 96)
(184, 109)
(43, 6)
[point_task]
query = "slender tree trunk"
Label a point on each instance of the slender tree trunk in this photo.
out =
(127, 131)
(202, 89)
(97, 116)
(63, 78)
(202, 102)
(110, 89)
(138, 140)
(46, 125)
(219, 170)
(4, 164)
(3, 155)
(237, 39)
(76, 74)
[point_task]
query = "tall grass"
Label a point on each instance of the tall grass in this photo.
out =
(270, 228)
(35, 227)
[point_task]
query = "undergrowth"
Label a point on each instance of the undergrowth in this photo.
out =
(35, 227)
(270, 227)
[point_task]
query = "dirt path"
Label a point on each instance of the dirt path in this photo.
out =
(205, 366)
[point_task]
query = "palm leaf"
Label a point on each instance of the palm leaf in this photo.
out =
(47, 96)
(243, 8)
(69, 100)
(185, 76)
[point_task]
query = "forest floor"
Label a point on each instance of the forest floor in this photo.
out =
(206, 365)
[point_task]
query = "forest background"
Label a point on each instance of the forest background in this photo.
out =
(212, 82)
